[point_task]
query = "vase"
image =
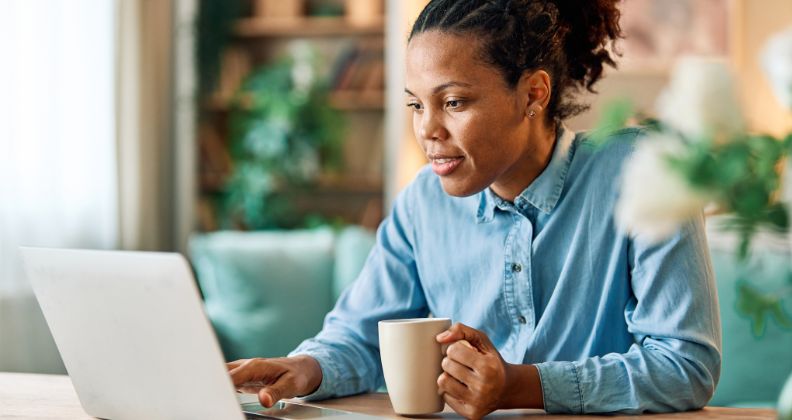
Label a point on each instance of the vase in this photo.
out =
(785, 401)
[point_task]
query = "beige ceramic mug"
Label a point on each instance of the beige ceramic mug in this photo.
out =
(411, 358)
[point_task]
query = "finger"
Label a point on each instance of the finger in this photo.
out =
(444, 348)
(462, 352)
(454, 333)
(243, 373)
(447, 384)
(235, 363)
(458, 331)
(458, 371)
(457, 405)
(473, 336)
(271, 394)
(255, 370)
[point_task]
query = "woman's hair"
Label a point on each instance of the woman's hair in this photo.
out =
(566, 38)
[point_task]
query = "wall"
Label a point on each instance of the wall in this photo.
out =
(755, 22)
(144, 112)
(403, 157)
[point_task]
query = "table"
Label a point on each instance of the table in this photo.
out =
(32, 396)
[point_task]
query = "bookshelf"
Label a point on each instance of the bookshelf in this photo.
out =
(352, 47)
(262, 27)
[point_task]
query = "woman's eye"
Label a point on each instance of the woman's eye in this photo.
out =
(414, 105)
(453, 103)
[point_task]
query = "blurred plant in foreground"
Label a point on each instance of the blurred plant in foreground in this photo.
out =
(698, 153)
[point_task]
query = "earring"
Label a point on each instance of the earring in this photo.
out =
(531, 113)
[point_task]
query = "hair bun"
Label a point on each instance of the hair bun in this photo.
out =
(591, 26)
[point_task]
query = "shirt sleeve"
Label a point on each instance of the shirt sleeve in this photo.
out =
(675, 361)
(388, 287)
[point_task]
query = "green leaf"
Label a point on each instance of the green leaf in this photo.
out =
(731, 166)
(782, 317)
(777, 216)
(760, 307)
(614, 116)
(748, 200)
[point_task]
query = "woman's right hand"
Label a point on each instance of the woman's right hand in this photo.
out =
(273, 379)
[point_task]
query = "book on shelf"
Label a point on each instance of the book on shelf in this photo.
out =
(235, 67)
(359, 68)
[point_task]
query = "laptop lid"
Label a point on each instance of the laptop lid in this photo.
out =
(132, 333)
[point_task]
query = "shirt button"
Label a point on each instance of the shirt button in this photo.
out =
(522, 319)
(516, 267)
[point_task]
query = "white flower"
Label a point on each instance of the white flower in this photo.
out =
(700, 100)
(777, 62)
(655, 200)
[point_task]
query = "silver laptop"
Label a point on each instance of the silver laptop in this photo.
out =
(136, 343)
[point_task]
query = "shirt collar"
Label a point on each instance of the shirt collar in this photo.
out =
(544, 192)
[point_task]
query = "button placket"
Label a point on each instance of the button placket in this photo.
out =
(522, 274)
(511, 289)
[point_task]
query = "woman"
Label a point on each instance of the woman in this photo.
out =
(510, 232)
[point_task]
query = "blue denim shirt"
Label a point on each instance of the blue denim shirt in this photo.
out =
(613, 323)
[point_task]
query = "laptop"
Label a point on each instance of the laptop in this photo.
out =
(135, 340)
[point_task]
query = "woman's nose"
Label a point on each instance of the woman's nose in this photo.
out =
(431, 128)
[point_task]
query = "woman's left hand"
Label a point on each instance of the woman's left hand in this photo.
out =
(475, 376)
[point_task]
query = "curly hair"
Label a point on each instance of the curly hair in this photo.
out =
(567, 38)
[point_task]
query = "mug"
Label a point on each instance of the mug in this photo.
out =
(411, 358)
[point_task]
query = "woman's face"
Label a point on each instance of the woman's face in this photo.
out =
(473, 128)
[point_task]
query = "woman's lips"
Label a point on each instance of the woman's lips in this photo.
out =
(445, 165)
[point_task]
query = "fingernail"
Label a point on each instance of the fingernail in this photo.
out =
(443, 335)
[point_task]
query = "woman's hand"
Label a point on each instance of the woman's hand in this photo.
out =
(476, 380)
(474, 374)
(273, 379)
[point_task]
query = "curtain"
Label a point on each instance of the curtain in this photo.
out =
(87, 158)
(58, 174)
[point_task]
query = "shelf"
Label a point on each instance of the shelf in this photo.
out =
(340, 100)
(348, 186)
(215, 185)
(358, 100)
(304, 27)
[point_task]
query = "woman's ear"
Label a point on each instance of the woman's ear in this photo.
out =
(535, 87)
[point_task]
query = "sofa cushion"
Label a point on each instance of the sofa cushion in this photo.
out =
(754, 368)
(267, 291)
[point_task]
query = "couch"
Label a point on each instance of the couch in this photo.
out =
(267, 291)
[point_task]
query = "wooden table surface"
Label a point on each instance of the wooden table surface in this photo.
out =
(379, 405)
(31, 396)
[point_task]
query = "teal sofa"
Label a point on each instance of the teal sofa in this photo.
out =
(265, 292)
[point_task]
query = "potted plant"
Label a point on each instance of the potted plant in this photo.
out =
(284, 134)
